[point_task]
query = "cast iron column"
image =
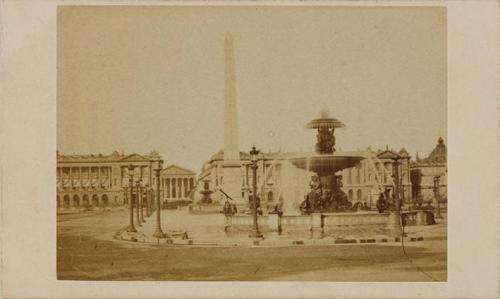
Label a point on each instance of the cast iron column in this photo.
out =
(131, 227)
(141, 203)
(397, 208)
(148, 200)
(255, 231)
(137, 218)
(436, 196)
(158, 232)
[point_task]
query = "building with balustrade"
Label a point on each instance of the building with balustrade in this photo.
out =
(375, 174)
(268, 177)
(101, 180)
(362, 183)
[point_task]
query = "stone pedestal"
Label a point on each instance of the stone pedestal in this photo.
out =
(316, 224)
(394, 224)
(273, 222)
(421, 218)
(228, 223)
(232, 182)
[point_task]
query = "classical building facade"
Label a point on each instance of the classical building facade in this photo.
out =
(268, 176)
(177, 183)
(101, 180)
(375, 174)
(425, 171)
(361, 183)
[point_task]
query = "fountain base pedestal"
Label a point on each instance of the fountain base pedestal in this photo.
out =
(316, 224)
(394, 224)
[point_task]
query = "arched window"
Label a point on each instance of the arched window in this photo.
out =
(76, 200)
(66, 201)
(85, 200)
(95, 200)
(359, 195)
(350, 195)
(105, 200)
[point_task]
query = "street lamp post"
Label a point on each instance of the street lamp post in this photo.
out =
(131, 227)
(141, 202)
(436, 196)
(137, 217)
(255, 233)
(158, 232)
(396, 217)
(148, 199)
(152, 199)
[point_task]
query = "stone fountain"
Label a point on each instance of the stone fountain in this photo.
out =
(326, 194)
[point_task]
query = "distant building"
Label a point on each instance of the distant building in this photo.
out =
(177, 183)
(361, 183)
(99, 180)
(213, 175)
(374, 174)
(423, 172)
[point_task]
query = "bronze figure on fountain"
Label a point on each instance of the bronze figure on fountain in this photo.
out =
(326, 194)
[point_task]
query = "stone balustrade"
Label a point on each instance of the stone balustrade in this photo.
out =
(322, 221)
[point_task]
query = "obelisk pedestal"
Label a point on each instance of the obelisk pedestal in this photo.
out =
(232, 176)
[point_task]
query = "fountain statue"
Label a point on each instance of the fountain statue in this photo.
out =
(206, 199)
(326, 194)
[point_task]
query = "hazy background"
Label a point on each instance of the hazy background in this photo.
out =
(143, 78)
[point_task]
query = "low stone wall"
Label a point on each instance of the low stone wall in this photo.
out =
(296, 222)
(355, 219)
(245, 222)
(205, 208)
(324, 222)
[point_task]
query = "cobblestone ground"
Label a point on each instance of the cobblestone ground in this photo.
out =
(87, 251)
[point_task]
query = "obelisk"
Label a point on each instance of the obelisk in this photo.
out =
(232, 181)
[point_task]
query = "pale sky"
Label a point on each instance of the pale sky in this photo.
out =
(137, 79)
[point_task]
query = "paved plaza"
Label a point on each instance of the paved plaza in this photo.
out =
(86, 250)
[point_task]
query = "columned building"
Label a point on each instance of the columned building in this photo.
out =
(375, 174)
(177, 183)
(268, 177)
(101, 180)
(362, 183)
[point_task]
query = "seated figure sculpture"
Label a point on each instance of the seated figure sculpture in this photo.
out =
(321, 199)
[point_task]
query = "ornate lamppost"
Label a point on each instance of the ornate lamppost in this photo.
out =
(255, 233)
(137, 203)
(141, 201)
(396, 217)
(158, 232)
(436, 196)
(152, 200)
(131, 227)
(148, 200)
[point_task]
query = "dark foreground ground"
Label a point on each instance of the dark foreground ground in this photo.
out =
(86, 251)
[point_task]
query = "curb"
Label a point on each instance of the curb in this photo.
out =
(267, 243)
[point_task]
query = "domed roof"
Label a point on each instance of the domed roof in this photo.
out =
(403, 152)
(438, 154)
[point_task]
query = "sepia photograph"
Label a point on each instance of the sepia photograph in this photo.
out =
(252, 143)
(250, 149)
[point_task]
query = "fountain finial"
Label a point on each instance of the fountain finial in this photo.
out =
(324, 113)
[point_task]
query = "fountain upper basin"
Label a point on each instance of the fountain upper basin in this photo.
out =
(325, 164)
